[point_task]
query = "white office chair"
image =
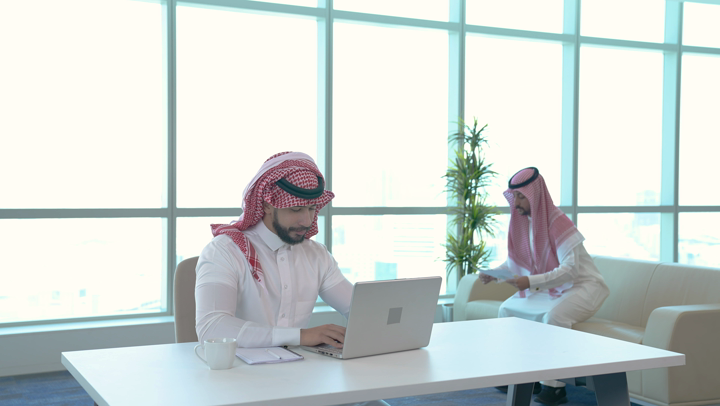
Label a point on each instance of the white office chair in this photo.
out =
(184, 301)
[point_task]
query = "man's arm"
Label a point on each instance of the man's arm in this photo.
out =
(215, 310)
(487, 278)
(520, 283)
(221, 267)
(335, 290)
(566, 271)
(338, 296)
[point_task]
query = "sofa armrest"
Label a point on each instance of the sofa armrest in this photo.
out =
(471, 288)
(668, 326)
(693, 330)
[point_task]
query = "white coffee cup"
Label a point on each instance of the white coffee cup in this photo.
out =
(219, 352)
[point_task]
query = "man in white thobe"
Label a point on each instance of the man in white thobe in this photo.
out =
(556, 278)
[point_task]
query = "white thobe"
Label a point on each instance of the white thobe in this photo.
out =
(583, 290)
(230, 303)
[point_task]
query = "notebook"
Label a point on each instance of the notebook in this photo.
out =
(267, 355)
(387, 316)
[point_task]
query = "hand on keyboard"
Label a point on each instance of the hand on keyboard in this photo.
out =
(330, 334)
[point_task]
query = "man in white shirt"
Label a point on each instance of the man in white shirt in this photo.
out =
(259, 277)
(556, 278)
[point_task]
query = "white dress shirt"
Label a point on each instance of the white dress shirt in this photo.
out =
(230, 303)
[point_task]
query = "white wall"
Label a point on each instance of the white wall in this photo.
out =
(34, 350)
(29, 350)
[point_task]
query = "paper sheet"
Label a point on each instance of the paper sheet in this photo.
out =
(501, 274)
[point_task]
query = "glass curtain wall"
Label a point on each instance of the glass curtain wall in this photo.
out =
(120, 146)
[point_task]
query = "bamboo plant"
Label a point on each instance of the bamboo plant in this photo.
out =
(467, 177)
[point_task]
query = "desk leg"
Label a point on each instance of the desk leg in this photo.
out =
(610, 389)
(520, 395)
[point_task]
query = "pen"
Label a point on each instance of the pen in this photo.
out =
(273, 354)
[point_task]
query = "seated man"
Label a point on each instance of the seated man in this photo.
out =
(556, 278)
(259, 277)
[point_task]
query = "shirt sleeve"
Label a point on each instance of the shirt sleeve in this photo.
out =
(339, 297)
(567, 271)
(335, 289)
(216, 296)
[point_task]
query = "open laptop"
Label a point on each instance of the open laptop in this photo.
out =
(387, 316)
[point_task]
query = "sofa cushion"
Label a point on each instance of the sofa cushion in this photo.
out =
(482, 309)
(612, 329)
(627, 280)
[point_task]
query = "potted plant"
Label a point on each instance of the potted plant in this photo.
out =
(472, 220)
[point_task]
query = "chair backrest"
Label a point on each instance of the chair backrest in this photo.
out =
(184, 301)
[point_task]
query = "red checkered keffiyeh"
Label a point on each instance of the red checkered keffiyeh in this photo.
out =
(553, 232)
(294, 167)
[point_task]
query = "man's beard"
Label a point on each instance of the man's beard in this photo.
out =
(284, 233)
(521, 211)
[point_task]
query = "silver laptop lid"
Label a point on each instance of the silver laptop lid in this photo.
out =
(391, 315)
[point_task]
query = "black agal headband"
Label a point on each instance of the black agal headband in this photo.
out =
(307, 194)
(536, 173)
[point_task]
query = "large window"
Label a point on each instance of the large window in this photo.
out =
(515, 87)
(389, 247)
(127, 127)
(620, 127)
(81, 104)
(246, 86)
(390, 93)
(531, 15)
(637, 20)
(699, 132)
(83, 160)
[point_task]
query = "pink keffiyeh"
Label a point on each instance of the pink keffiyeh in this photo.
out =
(553, 232)
(295, 171)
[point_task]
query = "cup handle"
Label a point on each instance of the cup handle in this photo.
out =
(198, 355)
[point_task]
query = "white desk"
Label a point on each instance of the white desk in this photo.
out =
(460, 356)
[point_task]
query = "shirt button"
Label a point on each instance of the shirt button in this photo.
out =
(283, 315)
(282, 258)
(285, 286)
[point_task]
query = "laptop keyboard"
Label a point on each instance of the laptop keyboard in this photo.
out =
(329, 348)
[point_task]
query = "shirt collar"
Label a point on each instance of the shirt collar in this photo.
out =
(270, 238)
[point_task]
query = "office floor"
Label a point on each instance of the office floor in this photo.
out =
(61, 389)
(51, 389)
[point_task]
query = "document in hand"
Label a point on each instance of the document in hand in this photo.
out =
(500, 273)
(267, 355)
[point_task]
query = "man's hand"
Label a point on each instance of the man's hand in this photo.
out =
(329, 334)
(520, 283)
(486, 278)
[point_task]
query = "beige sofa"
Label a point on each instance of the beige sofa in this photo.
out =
(663, 305)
